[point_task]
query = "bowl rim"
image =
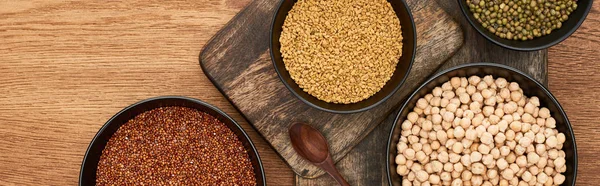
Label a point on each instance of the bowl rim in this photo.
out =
(480, 64)
(192, 100)
(414, 52)
(475, 25)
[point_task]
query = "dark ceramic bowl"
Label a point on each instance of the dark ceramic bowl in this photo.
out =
(568, 27)
(409, 42)
(530, 87)
(87, 175)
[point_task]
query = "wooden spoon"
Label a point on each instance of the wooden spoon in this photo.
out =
(310, 144)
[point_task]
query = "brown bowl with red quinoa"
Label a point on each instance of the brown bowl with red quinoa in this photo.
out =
(171, 141)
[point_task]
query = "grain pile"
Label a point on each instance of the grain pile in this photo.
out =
(174, 146)
(480, 131)
(341, 51)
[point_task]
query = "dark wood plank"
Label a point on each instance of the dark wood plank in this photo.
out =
(365, 164)
(238, 62)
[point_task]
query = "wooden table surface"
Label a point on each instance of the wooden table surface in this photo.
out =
(67, 66)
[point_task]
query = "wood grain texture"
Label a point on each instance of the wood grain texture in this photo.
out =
(66, 67)
(238, 62)
(365, 164)
(574, 76)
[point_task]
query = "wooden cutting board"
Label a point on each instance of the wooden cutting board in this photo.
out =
(365, 164)
(237, 61)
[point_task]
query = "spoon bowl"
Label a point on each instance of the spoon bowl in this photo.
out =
(309, 143)
(312, 146)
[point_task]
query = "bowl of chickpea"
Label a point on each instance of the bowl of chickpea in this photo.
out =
(482, 124)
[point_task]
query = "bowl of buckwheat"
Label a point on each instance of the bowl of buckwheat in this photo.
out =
(343, 56)
(482, 124)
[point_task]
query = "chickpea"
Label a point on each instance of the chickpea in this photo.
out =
(464, 82)
(478, 168)
(480, 130)
(487, 138)
(488, 159)
(448, 116)
(448, 167)
(553, 154)
(447, 95)
(559, 162)
(477, 180)
(508, 174)
(508, 118)
(466, 175)
(488, 110)
(437, 92)
(520, 150)
(413, 139)
(516, 96)
(542, 177)
(499, 111)
(434, 179)
(457, 147)
(548, 171)
(402, 170)
(443, 157)
(406, 182)
(445, 176)
(400, 159)
(409, 163)
(510, 135)
(561, 138)
(550, 122)
(482, 85)
(475, 107)
(513, 86)
(412, 117)
(499, 138)
(551, 141)
(437, 166)
(511, 157)
(521, 161)
(471, 89)
(416, 182)
(476, 121)
(548, 132)
(455, 82)
(487, 93)
(559, 179)
(542, 162)
(422, 157)
(477, 97)
(474, 80)
(457, 182)
(454, 158)
(525, 141)
(510, 108)
(422, 176)
(484, 149)
(435, 110)
(464, 98)
(409, 154)
(435, 101)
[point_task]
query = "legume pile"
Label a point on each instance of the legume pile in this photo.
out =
(480, 131)
(521, 19)
(174, 146)
(341, 51)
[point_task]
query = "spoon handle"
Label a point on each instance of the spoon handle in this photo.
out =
(329, 167)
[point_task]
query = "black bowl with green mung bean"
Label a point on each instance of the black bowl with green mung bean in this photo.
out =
(525, 25)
